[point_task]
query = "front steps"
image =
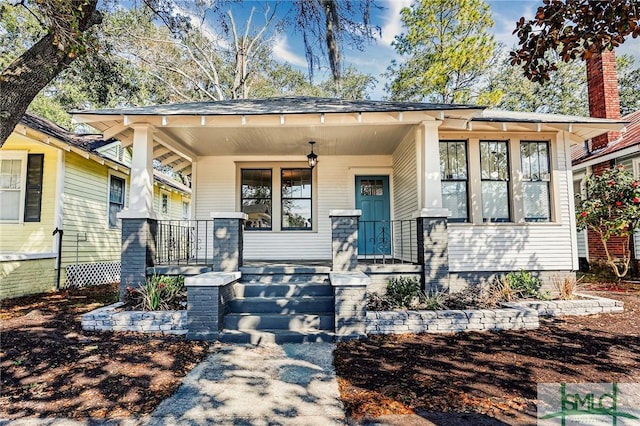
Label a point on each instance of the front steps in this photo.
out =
(280, 304)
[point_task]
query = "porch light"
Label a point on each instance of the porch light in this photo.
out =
(312, 158)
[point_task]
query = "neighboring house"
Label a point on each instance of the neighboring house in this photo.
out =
(54, 179)
(624, 151)
(492, 188)
(596, 155)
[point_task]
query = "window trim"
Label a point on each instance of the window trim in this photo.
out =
(271, 192)
(508, 181)
(164, 193)
(40, 186)
(548, 181)
(282, 198)
(276, 212)
(23, 157)
(111, 174)
(186, 202)
(465, 143)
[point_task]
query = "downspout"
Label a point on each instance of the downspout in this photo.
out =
(60, 232)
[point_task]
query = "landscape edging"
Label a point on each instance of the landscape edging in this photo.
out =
(112, 318)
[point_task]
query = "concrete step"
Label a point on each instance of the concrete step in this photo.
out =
(280, 278)
(286, 322)
(257, 337)
(243, 289)
(279, 305)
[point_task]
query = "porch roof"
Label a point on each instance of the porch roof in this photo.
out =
(282, 126)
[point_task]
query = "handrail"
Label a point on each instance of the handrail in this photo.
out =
(184, 242)
(388, 241)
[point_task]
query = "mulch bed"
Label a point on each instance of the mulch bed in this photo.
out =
(52, 368)
(492, 374)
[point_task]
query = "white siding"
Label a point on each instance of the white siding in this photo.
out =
(217, 191)
(530, 246)
(582, 244)
(405, 180)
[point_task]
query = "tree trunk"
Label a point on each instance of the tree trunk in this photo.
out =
(25, 77)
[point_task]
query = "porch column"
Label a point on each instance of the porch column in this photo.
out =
(139, 220)
(430, 185)
(227, 240)
(433, 254)
(344, 239)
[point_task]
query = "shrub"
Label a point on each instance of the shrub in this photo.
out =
(403, 292)
(566, 287)
(522, 285)
(157, 294)
(434, 301)
(377, 302)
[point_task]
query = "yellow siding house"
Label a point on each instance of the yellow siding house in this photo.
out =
(53, 180)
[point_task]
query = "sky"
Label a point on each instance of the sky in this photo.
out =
(376, 57)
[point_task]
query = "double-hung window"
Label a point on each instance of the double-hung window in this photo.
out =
(536, 178)
(296, 199)
(256, 193)
(454, 177)
(494, 164)
(116, 199)
(20, 186)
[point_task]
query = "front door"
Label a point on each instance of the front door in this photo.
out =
(372, 197)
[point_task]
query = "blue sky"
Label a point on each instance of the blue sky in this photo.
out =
(288, 47)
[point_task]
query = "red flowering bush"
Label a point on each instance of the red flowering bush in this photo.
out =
(611, 209)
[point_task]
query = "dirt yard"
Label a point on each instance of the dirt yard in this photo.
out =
(52, 368)
(493, 375)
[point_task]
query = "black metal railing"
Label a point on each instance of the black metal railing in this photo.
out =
(184, 242)
(388, 241)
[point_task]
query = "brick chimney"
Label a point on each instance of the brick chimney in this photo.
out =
(604, 101)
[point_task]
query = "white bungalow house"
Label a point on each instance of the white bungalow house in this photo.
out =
(455, 193)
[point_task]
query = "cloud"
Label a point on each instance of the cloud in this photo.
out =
(283, 52)
(392, 25)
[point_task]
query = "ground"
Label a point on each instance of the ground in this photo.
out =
(52, 368)
(490, 375)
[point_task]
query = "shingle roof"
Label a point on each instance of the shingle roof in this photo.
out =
(87, 142)
(285, 105)
(582, 153)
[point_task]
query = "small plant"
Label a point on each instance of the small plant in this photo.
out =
(566, 287)
(403, 292)
(433, 301)
(377, 302)
(157, 294)
(524, 285)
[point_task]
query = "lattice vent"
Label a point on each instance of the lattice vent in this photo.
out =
(87, 274)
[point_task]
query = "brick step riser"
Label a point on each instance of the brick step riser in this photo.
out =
(298, 322)
(261, 337)
(282, 306)
(285, 278)
(282, 290)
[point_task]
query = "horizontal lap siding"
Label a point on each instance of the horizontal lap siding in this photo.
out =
(33, 237)
(503, 247)
(217, 190)
(405, 180)
(85, 211)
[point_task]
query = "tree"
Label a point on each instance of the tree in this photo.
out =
(574, 29)
(611, 209)
(449, 51)
(566, 91)
(68, 34)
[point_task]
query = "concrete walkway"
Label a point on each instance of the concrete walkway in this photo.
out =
(291, 384)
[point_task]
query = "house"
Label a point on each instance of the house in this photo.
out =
(605, 151)
(495, 185)
(52, 179)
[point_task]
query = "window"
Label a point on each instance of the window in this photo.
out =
(535, 181)
(33, 190)
(185, 210)
(494, 164)
(296, 199)
(116, 199)
(164, 207)
(11, 186)
(256, 198)
(453, 172)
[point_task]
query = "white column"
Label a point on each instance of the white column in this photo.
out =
(431, 188)
(141, 178)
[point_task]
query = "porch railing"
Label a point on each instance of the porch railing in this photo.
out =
(184, 242)
(388, 241)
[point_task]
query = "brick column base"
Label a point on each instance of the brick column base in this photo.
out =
(228, 236)
(138, 251)
(207, 297)
(434, 255)
(344, 239)
(350, 298)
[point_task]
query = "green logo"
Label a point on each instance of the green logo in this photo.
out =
(598, 402)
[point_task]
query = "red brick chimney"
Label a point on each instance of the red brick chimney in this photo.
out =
(604, 101)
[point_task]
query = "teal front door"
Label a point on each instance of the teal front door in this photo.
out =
(372, 197)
